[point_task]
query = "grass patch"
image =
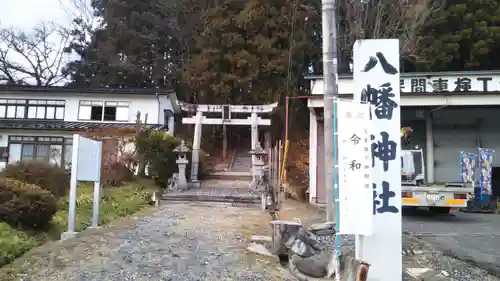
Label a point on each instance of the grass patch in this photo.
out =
(13, 243)
(116, 202)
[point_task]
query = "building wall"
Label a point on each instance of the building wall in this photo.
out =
(313, 155)
(321, 192)
(146, 104)
(463, 129)
(455, 129)
(4, 137)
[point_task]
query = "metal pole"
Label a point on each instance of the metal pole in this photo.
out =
(330, 97)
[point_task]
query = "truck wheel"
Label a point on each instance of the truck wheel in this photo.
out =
(440, 210)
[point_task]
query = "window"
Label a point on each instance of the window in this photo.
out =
(103, 111)
(48, 149)
(46, 109)
(67, 153)
(168, 116)
(32, 109)
(12, 108)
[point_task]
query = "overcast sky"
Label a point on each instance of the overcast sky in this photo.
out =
(27, 13)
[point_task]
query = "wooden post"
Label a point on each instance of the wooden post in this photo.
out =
(354, 269)
(279, 190)
(141, 166)
(281, 232)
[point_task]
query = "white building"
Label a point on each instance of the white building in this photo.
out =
(38, 123)
(449, 112)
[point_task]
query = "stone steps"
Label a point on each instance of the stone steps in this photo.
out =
(229, 191)
(245, 176)
(237, 199)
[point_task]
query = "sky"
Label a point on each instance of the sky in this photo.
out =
(28, 13)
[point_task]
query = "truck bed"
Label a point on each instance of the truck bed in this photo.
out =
(444, 187)
(437, 195)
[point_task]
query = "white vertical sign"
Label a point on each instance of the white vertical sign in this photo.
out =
(376, 81)
(355, 188)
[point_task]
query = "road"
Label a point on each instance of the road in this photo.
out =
(469, 237)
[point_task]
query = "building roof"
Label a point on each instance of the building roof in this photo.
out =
(69, 125)
(420, 74)
(62, 89)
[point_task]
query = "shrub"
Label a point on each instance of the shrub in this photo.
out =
(157, 148)
(116, 174)
(49, 177)
(25, 205)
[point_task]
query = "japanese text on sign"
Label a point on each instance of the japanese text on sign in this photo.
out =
(355, 187)
(377, 83)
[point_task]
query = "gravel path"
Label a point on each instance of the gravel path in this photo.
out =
(188, 242)
(471, 237)
(180, 241)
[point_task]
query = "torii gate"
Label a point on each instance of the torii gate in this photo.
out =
(254, 121)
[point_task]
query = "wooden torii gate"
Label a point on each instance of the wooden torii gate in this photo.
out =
(225, 119)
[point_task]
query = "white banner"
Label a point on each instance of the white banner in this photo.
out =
(355, 181)
(376, 81)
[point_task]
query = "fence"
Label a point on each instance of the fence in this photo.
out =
(275, 180)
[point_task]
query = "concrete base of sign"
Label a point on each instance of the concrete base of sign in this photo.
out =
(67, 235)
(94, 227)
(260, 249)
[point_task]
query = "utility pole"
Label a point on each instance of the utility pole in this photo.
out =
(330, 96)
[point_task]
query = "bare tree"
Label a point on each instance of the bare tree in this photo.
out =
(34, 57)
(82, 11)
(403, 19)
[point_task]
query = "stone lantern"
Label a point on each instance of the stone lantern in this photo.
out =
(259, 182)
(259, 154)
(181, 151)
(259, 163)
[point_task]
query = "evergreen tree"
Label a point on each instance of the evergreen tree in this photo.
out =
(132, 48)
(242, 52)
(464, 36)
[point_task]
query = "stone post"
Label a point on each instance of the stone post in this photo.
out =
(181, 151)
(195, 157)
(254, 130)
